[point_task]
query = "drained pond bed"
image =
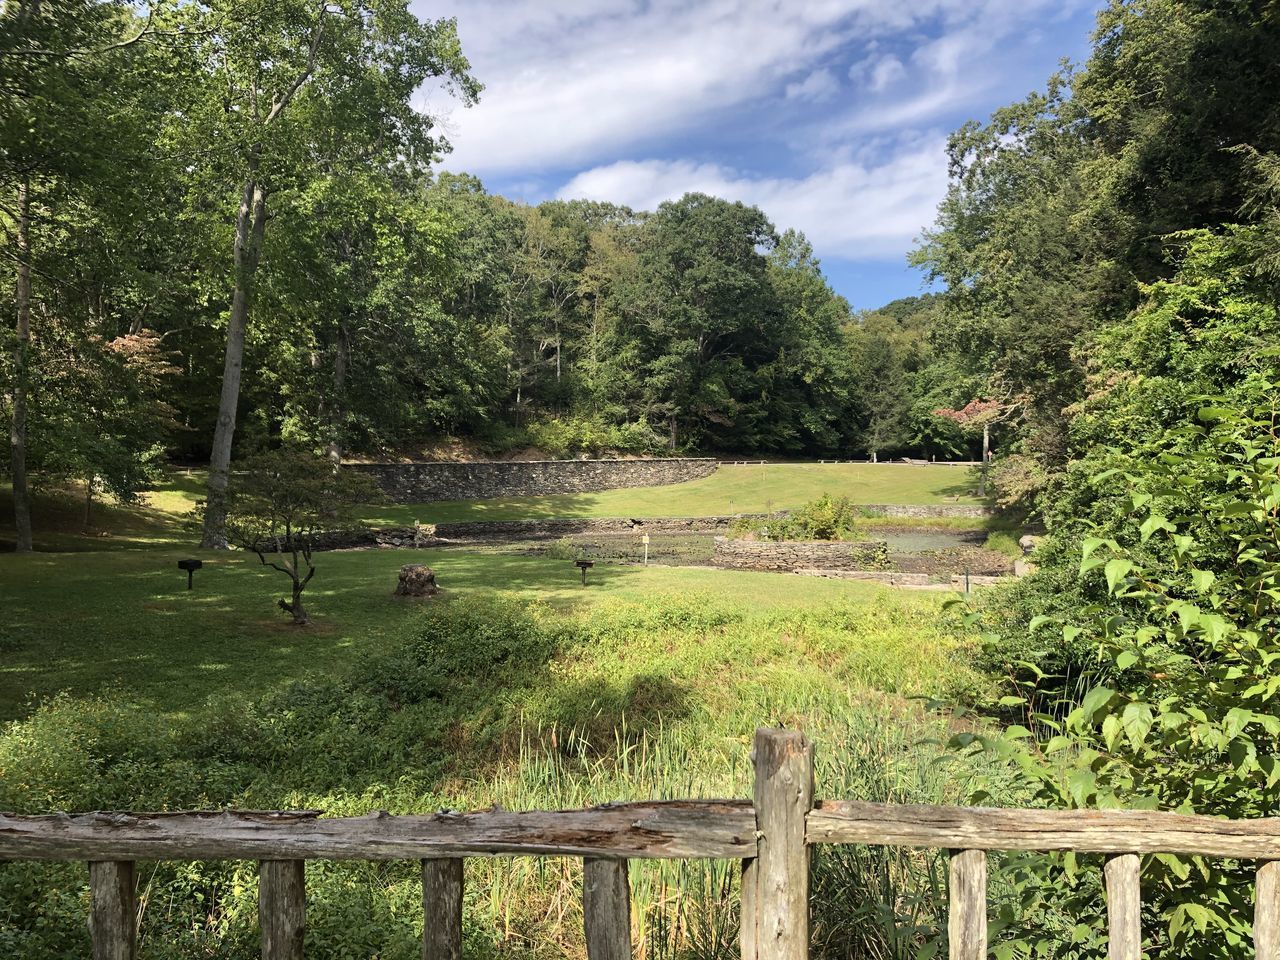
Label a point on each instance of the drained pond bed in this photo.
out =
(940, 554)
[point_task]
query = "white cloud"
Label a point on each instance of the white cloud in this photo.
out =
(856, 208)
(877, 71)
(570, 83)
(817, 86)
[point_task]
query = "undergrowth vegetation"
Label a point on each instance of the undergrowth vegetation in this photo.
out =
(497, 701)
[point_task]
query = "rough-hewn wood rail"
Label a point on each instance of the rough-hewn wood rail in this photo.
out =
(771, 834)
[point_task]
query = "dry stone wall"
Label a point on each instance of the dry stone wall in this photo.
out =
(922, 511)
(442, 534)
(489, 479)
(799, 555)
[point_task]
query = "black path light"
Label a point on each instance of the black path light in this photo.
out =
(191, 566)
(584, 566)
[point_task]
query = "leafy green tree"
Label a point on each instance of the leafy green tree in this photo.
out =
(293, 88)
(72, 209)
(279, 503)
(706, 314)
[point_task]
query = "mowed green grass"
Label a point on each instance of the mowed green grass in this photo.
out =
(730, 490)
(164, 515)
(123, 622)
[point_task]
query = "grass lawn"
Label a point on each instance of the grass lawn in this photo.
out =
(730, 490)
(520, 687)
(58, 516)
(123, 623)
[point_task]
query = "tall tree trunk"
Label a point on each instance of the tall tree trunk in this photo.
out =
(337, 415)
(986, 459)
(22, 373)
(250, 226)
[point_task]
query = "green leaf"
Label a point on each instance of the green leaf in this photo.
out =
(1136, 718)
(1095, 700)
(1203, 580)
(1116, 570)
(1152, 524)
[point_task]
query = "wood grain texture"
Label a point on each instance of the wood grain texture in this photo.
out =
(113, 911)
(1124, 907)
(606, 909)
(282, 908)
(1087, 831)
(1266, 911)
(748, 913)
(672, 830)
(779, 877)
(442, 909)
(967, 921)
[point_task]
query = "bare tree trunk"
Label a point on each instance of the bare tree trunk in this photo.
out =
(250, 226)
(986, 458)
(295, 608)
(337, 416)
(22, 373)
(88, 502)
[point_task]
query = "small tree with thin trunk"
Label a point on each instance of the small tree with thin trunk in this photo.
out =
(278, 504)
(977, 416)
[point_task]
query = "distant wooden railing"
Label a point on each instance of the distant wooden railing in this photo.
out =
(770, 834)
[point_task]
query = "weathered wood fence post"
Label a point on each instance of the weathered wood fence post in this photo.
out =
(1266, 911)
(1124, 906)
(606, 909)
(967, 921)
(282, 908)
(113, 911)
(442, 909)
(775, 883)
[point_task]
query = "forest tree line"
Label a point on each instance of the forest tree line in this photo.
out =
(227, 228)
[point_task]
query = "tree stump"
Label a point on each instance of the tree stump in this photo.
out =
(416, 580)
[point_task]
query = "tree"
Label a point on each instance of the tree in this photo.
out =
(278, 504)
(704, 316)
(71, 66)
(977, 416)
(294, 86)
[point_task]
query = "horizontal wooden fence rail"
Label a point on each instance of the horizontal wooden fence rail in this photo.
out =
(771, 835)
(1084, 831)
(672, 830)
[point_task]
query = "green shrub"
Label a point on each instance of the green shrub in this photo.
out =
(584, 436)
(827, 518)
(1180, 709)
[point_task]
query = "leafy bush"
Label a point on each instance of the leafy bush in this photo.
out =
(1181, 708)
(1001, 541)
(827, 518)
(579, 436)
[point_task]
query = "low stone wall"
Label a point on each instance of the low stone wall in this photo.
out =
(923, 511)
(797, 555)
(442, 534)
(364, 537)
(893, 578)
(552, 528)
(489, 479)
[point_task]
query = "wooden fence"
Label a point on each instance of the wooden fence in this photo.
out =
(770, 835)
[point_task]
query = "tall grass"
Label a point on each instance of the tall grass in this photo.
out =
(493, 702)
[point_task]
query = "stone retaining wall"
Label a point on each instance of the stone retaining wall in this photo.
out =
(489, 479)
(440, 534)
(922, 511)
(567, 527)
(796, 554)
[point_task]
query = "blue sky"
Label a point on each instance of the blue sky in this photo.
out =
(830, 115)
